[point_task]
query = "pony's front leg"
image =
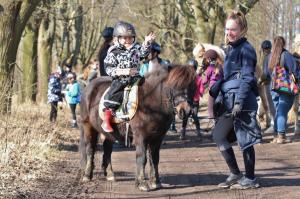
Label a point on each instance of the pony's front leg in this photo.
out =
(154, 148)
(106, 160)
(141, 160)
(90, 143)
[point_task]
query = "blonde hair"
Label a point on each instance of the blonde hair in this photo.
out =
(240, 19)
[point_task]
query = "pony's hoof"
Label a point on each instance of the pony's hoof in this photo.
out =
(110, 178)
(155, 186)
(144, 187)
(86, 179)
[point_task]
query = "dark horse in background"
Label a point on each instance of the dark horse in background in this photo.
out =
(148, 126)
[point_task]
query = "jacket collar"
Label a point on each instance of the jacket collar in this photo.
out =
(238, 42)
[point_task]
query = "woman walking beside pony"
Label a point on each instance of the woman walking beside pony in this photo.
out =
(238, 95)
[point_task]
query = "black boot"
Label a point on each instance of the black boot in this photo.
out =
(249, 180)
(235, 173)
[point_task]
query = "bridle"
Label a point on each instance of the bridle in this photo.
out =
(176, 97)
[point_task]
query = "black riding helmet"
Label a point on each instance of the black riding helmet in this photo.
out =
(266, 44)
(123, 29)
(155, 47)
(107, 32)
(193, 62)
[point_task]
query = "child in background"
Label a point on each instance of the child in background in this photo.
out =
(213, 72)
(54, 93)
(72, 94)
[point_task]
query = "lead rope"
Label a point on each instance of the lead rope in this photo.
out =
(126, 136)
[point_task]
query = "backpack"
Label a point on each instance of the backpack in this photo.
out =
(283, 81)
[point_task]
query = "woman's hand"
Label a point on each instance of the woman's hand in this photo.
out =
(237, 108)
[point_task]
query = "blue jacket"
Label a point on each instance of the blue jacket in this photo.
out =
(73, 93)
(241, 61)
(145, 66)
(240, 87)
(54, 89)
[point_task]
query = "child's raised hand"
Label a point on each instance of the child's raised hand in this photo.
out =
(150, 38)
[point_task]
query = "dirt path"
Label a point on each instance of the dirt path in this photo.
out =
(189, 169)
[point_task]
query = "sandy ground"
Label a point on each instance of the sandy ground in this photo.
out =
(188, 169)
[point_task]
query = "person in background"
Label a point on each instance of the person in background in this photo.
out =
(153, 61)
(282, 102)
(194, 92)
(213, 72)
(72, 94)
(107, 34)
(93, 70)
(265, 89)
(238, 96)
(54, 93)
(66, 69)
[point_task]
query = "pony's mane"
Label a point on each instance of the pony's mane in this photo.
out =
(176, 76)
(180, 76)
(157, 75)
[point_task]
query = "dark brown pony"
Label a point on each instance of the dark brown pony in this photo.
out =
(148, 127)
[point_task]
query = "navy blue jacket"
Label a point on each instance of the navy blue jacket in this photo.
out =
(240, 86)
(241, 61)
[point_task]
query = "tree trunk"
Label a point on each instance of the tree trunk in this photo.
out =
(77, 34)
(45, 43)
(29, 63)
(12, 23)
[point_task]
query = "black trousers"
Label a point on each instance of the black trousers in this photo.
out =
(73, 110)
(53, 111)
(114, 97)
(221, 135)
(223, 127)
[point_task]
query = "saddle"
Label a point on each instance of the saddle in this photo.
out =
(129, 105)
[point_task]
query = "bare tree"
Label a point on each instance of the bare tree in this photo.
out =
(94, 22)
(45, 43)
(183, 22)
(14, 16)
(29, 58)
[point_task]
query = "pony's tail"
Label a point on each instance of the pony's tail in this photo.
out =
(82, 148)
